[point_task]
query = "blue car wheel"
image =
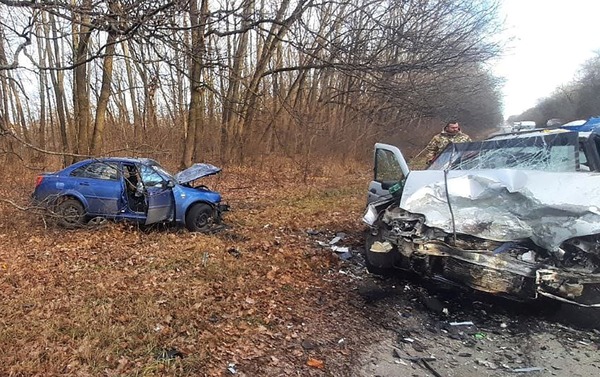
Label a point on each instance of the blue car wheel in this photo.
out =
(70, 213)
(199, 218)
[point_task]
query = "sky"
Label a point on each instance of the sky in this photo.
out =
(551, 40)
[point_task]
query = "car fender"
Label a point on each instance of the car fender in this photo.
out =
(212, 205)
(72, 194)
(186, 197)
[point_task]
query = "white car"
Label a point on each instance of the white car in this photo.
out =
(517, 215)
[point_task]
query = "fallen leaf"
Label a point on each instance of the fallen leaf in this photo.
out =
(315, 363)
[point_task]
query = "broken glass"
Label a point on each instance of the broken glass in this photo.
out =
(556, 152)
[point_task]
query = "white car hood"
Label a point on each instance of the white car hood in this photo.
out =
(507, 204)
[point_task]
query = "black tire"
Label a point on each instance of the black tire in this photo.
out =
(70, 213)
(199, 218)
(373, 268)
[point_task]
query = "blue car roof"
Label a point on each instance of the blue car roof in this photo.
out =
(592, 124)
(133, 160)
(122, 159)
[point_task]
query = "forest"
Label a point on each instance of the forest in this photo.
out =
(235, 81)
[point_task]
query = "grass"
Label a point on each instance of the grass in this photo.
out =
(115, 300)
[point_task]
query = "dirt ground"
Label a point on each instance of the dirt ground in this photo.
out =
(266, 297)
(429, 331)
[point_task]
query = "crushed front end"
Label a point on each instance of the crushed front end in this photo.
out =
(517, 269)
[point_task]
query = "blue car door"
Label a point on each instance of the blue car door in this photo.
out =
(161, 205)
(98, 182)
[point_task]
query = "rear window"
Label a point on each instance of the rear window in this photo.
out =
(98, 170)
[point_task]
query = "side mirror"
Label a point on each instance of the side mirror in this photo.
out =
(170, 184)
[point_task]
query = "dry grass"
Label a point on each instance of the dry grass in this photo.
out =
(116, 300)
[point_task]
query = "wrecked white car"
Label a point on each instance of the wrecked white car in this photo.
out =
(517, 215)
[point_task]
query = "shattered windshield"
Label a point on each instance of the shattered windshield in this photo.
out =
(556, 152)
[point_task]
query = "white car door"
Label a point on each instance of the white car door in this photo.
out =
(389, 167)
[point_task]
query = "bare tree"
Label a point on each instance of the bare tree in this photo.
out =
(198, 19)
(244, 78)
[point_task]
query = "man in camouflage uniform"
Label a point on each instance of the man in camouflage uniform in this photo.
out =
(450, 134)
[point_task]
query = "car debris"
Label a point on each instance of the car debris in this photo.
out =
(419, 360)
(465, 323)
(335, 240)
(231, 368)
(169, 354)
(527, 370)
(343, 252)
(514, 216)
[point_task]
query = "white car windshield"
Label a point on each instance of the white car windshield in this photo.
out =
(557, 152)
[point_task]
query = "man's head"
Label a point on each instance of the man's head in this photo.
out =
(452, 127)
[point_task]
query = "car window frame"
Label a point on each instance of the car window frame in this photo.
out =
(93, 174)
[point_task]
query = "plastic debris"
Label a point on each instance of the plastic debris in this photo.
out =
(479, 335)
(527, 370)
(528, 257)
(340, 249)
(335, 240)
(465, 323)
(231, 368)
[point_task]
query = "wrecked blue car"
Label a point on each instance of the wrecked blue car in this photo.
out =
(134, 189)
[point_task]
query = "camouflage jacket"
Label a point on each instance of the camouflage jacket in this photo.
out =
(441, 140)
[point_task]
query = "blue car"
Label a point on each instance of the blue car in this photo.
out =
(135, 189)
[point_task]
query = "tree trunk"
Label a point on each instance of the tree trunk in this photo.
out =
(231, 104)
(135, 110)
(107, 69)
(81, 101)
(195, 118)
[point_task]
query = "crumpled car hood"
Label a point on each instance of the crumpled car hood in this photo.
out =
(196, 171)
(507, 204)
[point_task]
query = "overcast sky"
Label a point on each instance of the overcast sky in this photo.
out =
(552, 39)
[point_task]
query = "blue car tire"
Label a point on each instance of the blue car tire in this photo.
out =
(199, 217)
(70, 213)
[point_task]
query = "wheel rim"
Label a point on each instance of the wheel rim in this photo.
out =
(71, 214)
(201, 220)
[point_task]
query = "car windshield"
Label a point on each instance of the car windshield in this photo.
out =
(556, 152)
(162, 171)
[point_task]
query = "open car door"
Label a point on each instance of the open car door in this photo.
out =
(389, 168)
(161, 205)
(158, 191)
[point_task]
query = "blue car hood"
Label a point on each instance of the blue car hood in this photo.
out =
(196, 171)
